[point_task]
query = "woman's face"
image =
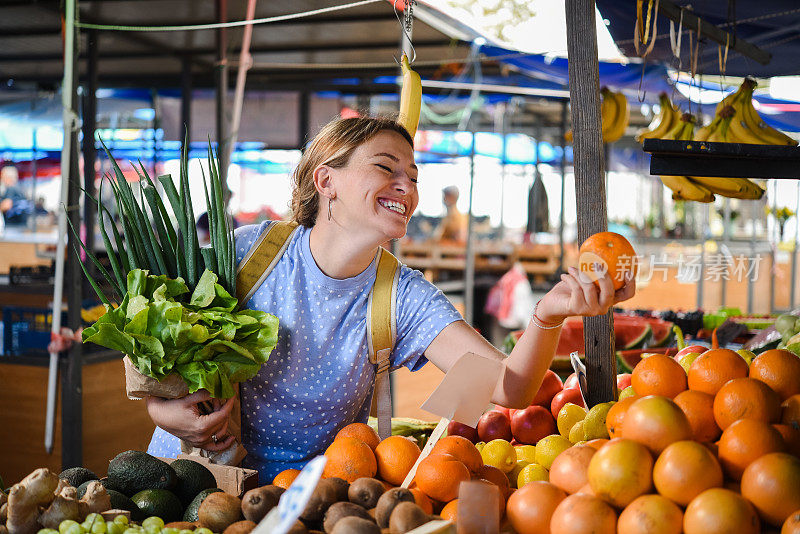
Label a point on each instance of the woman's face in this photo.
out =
(377, 189)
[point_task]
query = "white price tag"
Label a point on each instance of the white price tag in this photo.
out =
(294, 500)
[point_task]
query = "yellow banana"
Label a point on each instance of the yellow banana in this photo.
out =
(761, 129)
(720, 134)
(703, 133)
(685, 189)
(617, 129)
(683, 128)
(662, 123)
(410, 98)
(609, 111)
(738, 130)
(731, 187)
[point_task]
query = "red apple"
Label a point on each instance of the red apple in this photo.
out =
(494, 425)
(551, 385)
(572, 395)
(623, 380)
(460, 429)
(502, 409)
(571, 381)
(532, 424)
(689, 349)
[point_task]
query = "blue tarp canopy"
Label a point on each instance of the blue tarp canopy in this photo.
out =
(772, 25)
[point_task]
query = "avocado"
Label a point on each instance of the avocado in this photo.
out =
(192, 479)
(160, 503)
(135, 471)
(191, 511)
(77, 476)
(121, 502)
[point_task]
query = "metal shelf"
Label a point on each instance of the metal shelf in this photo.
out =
(732, 160)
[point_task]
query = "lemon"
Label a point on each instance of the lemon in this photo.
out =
(480, 445)
(568, 415)
(500, 454)
(532, 472)
(576, 432)
(594, 426)
(513, 475)
(549, 447)
(526, 452)
(627, 392)
(748, 355)
(687, 360)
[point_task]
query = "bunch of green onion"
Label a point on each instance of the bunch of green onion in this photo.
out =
(159, 247)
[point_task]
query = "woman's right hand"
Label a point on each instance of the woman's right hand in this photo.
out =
(182, 418)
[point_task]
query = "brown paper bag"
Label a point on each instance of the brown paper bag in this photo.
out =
(139, 386)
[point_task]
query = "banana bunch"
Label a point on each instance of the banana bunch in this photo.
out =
(662, 125)
(747, 126)
(614, 115)
(683, 187)
(410, 98)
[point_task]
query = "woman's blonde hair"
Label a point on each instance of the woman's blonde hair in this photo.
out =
(333, 146)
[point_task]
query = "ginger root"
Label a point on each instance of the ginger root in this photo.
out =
(95, 500)
(64, 506)
(25, 498)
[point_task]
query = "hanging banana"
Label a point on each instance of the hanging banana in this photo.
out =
(614, 116)
(410, 98)
(662, 123)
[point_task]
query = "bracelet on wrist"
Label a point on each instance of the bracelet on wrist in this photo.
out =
(544, 325)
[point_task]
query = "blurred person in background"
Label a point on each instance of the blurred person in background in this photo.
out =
(13, 204)
(453, 226)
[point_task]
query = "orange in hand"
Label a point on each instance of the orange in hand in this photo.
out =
(607, 252)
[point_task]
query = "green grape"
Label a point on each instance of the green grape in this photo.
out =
(47, 531)
(202, 530)
(153, 523)
(169, 530)
(75, 529)
(121, 519)
(99, 527)
(113, 527)
(186, 531)
(131, 530)
(93, 518)
(62, 528)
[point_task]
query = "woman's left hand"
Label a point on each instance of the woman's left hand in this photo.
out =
(577, 294)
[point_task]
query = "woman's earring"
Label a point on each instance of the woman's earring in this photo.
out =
(330, 199)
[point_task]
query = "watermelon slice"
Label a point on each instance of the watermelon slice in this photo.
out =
(632, 335)
(662, 330)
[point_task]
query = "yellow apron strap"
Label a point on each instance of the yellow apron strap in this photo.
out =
(381, 334)
(262, 258)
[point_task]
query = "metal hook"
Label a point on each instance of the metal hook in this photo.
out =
(408, 15)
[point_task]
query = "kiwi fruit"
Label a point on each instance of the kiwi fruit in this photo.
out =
(257, 502)
(219, 511)
(181, 525)
(240, 527)
(340, 510)
(366, 492)
(355, 525)
(407, 516)
(341, 486)
(298, 528)
(322, 498)
(387, 502)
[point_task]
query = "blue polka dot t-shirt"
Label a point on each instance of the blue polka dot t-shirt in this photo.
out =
(318, 378)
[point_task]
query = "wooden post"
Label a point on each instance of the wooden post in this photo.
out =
(590, 191)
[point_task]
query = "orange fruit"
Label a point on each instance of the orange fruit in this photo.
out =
(596, 443)
(586, 489)
(422, 500)
(620, 471)
(746, 398)
(463, 449)
(607, 251)
(792, 524)
(713, 368)
(439, 475)
(685, 470)
(790, 411)
(650, 514)
(361, 431)
(656, 422)
(699, 410)
(349, 459)
(489, 473)
(772, 484)
(581, 513)
(568, 471)
(658, 374)
(780, 370)
(396, 456)
(791, 437)
(530, 508)
(720, 511)
(616, 415)
(285, 478)
(744, 442)
(450, 511)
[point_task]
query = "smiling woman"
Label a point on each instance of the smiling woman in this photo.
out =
(354, 189)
